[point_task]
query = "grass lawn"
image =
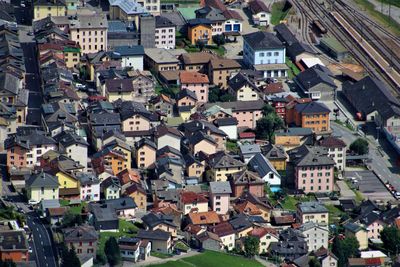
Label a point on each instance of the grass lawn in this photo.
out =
(384, 20)
(160, 255)
(125, 229)
(344, 124)
(290, 202)
(334, 213)
(392, 2)
(293, 69)
(211, 259)
(73, 209)
(277, 12)
(232, 146)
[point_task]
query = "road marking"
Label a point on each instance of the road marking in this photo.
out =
(41, 242)
(40, 235)
(44, 256)
(33, 222)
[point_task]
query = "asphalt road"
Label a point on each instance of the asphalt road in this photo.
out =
(35, 99)
(380, 162)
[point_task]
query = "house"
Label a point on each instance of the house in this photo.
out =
(383, 110)
(226, 234)
(316, 83)
(312, 211)
(228, 126)
(170, 169)
(161, 59)
(359, 232)
(89, 186)
(109, 159)
(247, 181)
(313, 169)
(201, 142)
(220, 71)
(205, 218)
(289, 250)
(284, 34)
(165, 33)
(276, 155)
(44, 9)
(191, 201)
(264, 52)
(194, 167)
(83, 238)
(209, 241)
(90, 32)
(313, 115)
(69, 185)
(135, 117)
(374, 224)
(336, 150)
(160, 240)
(167, 136)
(111, 188)
(197, 83)
(154, 221)
(266, 237)
(197, 61)
(243, 88)
(75, 147)
(186, 98)
(133, 249)
(138, 194)
(220, 196)
(126, 10)
(124, 207)
(241, 225)
(145, 151)
(14, 246)
(103, 217)
(221, 165)
(215, 16)
(261, 14)
(131, 56)
(261, 165)
(162, 104)
(293, 137)
(41, 185)
(248, 151)
(299, 51)
(246, 112)
(316, 235)
(199, 30)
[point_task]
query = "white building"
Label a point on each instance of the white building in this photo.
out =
(74, 146)
(336, 150)
(165, 33)
(90, 186)
(131, 56)
(315, 235)
(261, 165)
(153, 6)
(260, 13)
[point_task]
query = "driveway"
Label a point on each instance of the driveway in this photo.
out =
(345, 191)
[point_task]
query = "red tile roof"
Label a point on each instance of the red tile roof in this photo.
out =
(188, 197)
(203, 218)
(222, 229)
(261, 231)
(247, 135)
(193, 77)
(248, 208)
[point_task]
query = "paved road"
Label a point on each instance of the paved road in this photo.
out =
(380, 162)
(32, 84)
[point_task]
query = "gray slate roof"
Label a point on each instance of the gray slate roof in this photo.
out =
(311, 207)
(310, 156)
(42, 179)
(153, 235)
(312, 77)
(220, 188)
(263, 40)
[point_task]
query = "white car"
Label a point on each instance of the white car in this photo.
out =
(32, 202)
(80, 86)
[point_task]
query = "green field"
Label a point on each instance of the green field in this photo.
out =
(392, 2)
(126, 228)
(277, 12)
(211, 259)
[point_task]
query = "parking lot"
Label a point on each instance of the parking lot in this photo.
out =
(369, 185)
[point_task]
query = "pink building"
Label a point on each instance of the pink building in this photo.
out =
(219, 196)
(196, 82)
(313, 169)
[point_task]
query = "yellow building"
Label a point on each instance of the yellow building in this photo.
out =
(277, 156)
(138, 194)
(199, 30)
(67, 180)
(359, 232)
(41, 186)
(71, 56)
(124, 148)
(221, 165)
(49, 8)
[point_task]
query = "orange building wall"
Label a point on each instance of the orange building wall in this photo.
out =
(195, 32)
(19, 159)
(15, 256)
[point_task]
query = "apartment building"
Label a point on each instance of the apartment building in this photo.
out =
(152, 6)
(90, 32)
(165, 33)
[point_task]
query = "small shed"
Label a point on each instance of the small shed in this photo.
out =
(333, 47)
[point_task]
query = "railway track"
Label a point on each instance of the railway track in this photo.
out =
(374, 69)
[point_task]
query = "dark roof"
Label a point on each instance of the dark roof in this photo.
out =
(42, 179)
(127, 109)
(153, 219)
(185, 93)
(310, 156)
(225, 121)
(223, 160)
(145, 141)
(125, 50)
(121, 203)
(262, 40)
(67, 139)
(163, 22)
(155, 235)
(83, 233)
(285, 35)
(240, 222)
(331, 141)
(210, 13)
(312, 77)
(298, 48)
(13, 240)
(168, 150)
(369, 95)
(200, 136)
(240, 80)
(271, 151)
(311, 108)
(257, 6)
(199, 21)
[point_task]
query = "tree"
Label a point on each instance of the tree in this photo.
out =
(70, 219)
(227, 98)
(251, 246)
(69, 257)
(112, 252)
(200, 44)
(313, 262)
(267, 109)
(213, 95)
(391, 239)
(218, 39)
(267, 125)
(7, 263)
(345, 249)
(360, 146)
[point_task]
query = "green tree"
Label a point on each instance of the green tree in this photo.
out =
(112, 252)
(7, 263)
(200, 44)
(251, 246)
(100, 258)
(345, 249)
(313, 262)
(213, 95)
(267, 125)
(227, 98)
(69, 257)
(360, 146)
(391, 239)
(70, 219)
(267, 109)
(218, 39)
